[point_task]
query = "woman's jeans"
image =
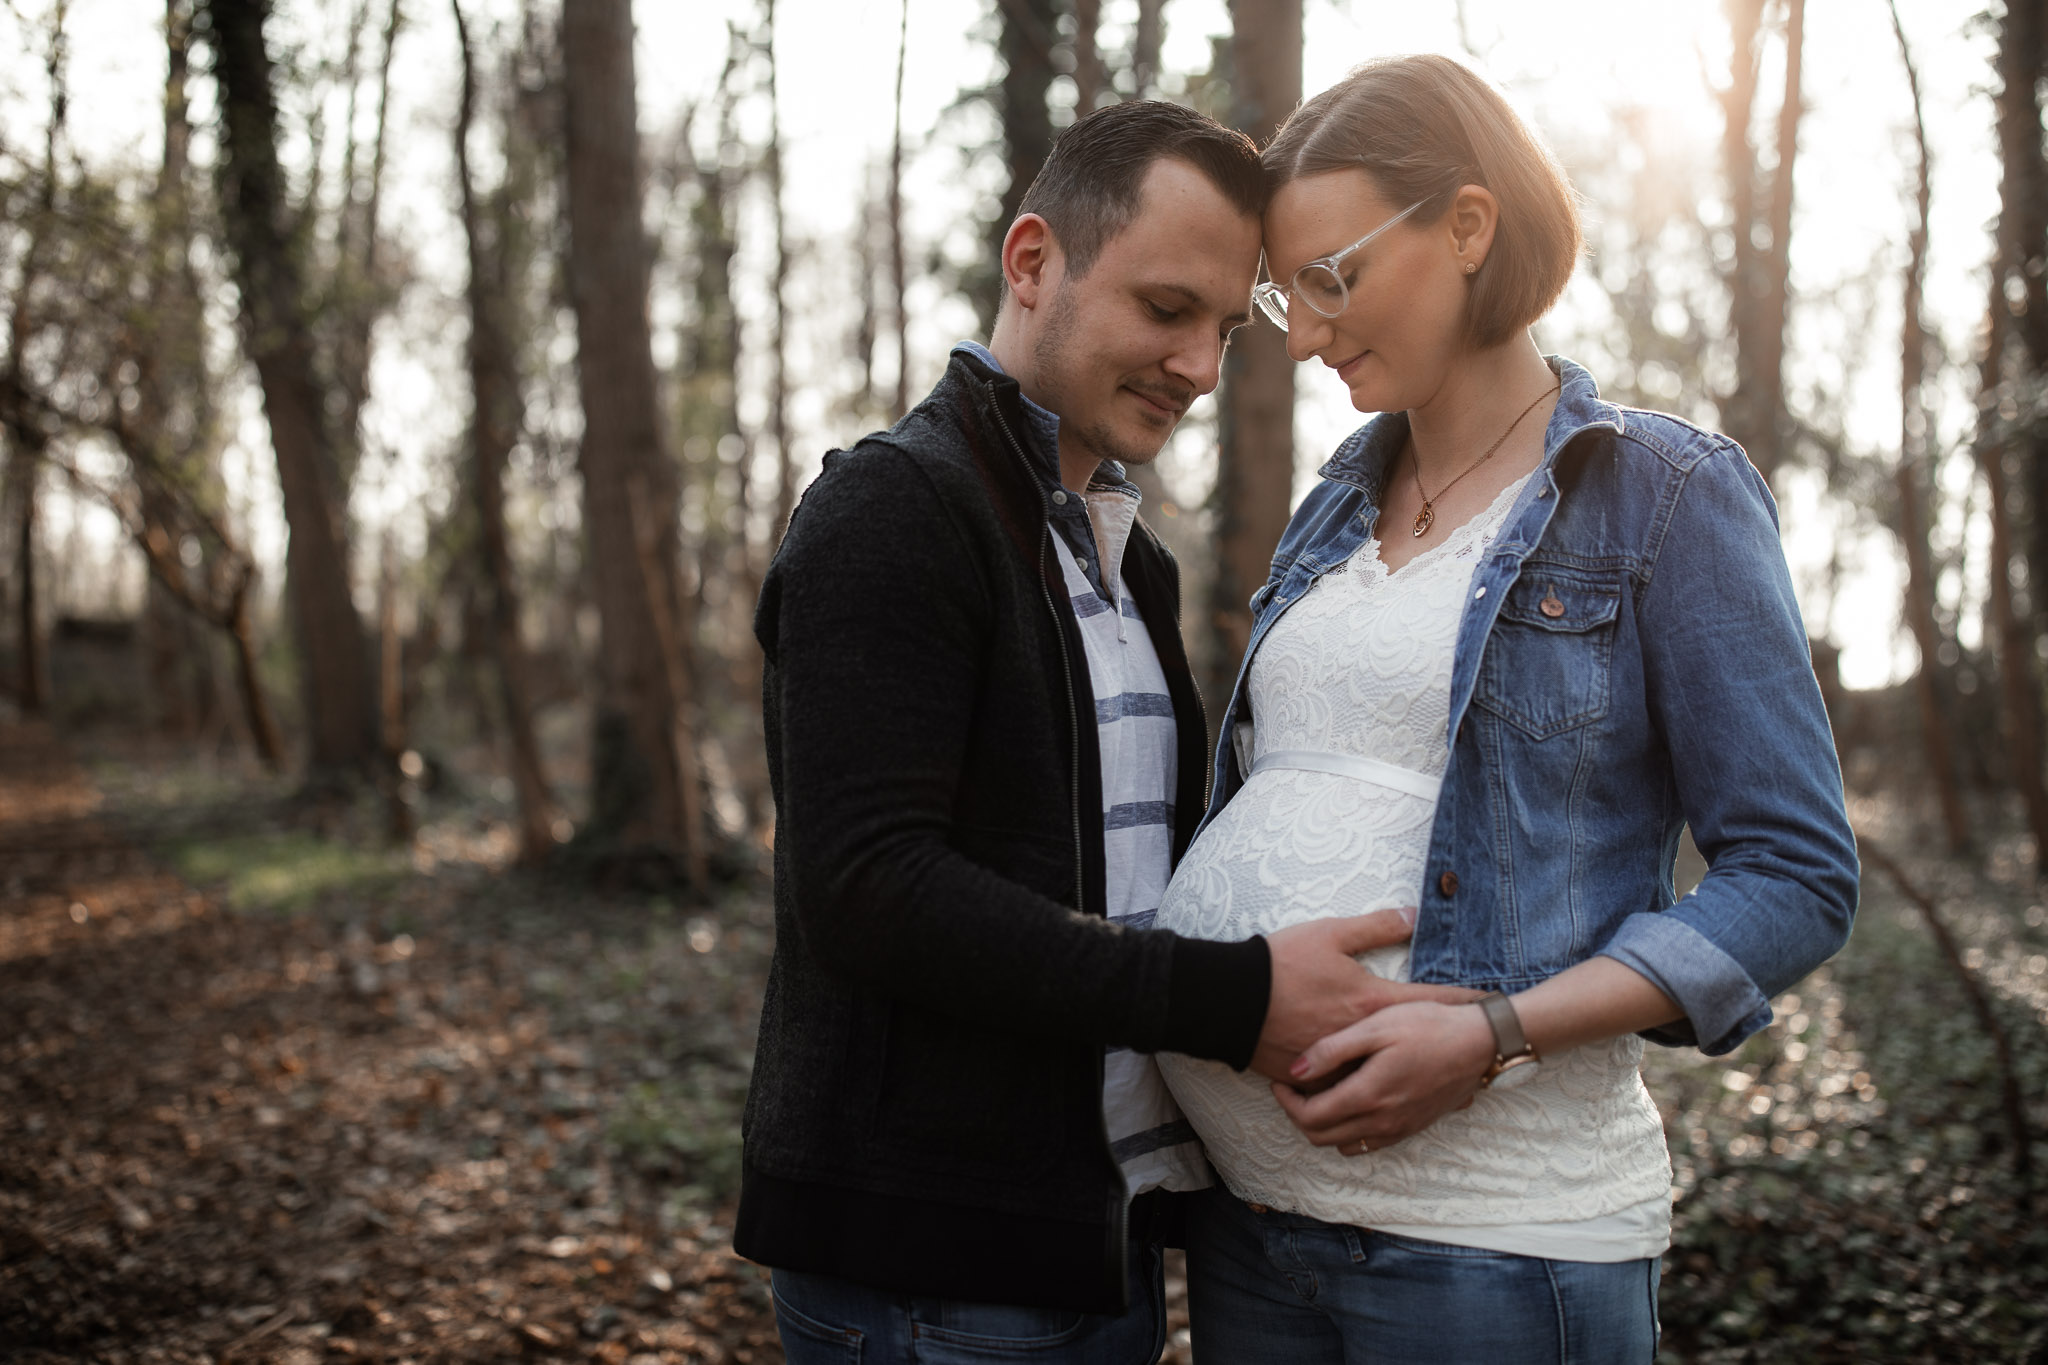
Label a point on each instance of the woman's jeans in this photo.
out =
(824, 1320)
(1291, 1290)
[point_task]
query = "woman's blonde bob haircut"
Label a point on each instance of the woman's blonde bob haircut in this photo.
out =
(1423, 126)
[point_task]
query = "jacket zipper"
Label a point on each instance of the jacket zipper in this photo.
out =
(1119, 1196)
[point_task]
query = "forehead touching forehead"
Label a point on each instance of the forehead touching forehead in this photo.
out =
(1092, 185)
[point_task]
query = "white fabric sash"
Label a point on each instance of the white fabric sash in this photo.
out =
(1388, 775)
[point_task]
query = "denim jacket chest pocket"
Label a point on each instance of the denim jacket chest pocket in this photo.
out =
(1545, 668)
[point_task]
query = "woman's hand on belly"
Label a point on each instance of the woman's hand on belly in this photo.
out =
(1320, 992)
(1421, 1060)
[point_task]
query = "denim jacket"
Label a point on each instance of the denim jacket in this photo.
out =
(1631, 661)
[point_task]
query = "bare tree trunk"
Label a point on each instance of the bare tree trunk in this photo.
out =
(1759, 281)
(391, 697)
(1146, 41)
(262, 723)
(341, 710)
(1915, 431)
(1025, 45)
(900, 404)
(30, 440)
(1088, 73)
(2019, 690)
(360, 293)
(1255, 454)
(2023, 237)
(778, 379)
(646, 786)
(2005, 372)
(31, 686)
(494, 429)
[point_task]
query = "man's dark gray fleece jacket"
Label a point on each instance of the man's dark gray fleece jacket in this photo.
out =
(926, 1111)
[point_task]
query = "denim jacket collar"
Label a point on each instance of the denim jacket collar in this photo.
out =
(1362, 459)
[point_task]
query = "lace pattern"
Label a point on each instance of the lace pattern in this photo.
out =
(1361, 665)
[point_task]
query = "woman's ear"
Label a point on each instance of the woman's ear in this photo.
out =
(1474, 215)
(1031, 258)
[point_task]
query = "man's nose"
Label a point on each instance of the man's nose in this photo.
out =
(1198, 363)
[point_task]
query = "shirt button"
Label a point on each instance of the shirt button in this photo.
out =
(1059, 497)
(1448, 883)
(1477, 595)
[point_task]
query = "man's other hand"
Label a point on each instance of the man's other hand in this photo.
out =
(1319, 988)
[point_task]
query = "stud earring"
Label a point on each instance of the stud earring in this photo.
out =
(1471, 266)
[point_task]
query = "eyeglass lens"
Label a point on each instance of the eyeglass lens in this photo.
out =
(1316, 285)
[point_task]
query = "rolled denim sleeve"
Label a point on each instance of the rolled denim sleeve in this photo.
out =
(1730, 684)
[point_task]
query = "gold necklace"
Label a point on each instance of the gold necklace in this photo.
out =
(1426, 518)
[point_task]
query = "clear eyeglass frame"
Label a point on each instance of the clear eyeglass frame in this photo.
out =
(1319, 284)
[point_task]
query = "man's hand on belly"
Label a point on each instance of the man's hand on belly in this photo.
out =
(1319, 988)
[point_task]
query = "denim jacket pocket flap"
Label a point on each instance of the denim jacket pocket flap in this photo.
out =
(1546, 662)
(1559, 606)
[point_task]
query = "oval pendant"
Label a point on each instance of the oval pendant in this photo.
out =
(1425, 519)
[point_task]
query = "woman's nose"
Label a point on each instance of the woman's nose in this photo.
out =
(1307, 331)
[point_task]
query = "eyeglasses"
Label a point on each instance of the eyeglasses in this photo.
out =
(1318, 284)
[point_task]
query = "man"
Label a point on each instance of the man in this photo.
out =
(987, 750)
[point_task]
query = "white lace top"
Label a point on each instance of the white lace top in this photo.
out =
(1571, 1165)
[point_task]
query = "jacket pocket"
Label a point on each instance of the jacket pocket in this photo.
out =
(1547, 660)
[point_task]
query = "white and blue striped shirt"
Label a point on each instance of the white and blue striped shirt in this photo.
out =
(1137, 738)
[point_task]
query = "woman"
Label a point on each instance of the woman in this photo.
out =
(1511, 644)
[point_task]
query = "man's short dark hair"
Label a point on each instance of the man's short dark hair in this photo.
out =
(1089, 187)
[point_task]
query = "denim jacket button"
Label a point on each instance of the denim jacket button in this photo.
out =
(1448, 883)
(1059, 497)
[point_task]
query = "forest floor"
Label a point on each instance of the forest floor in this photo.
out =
(272, 1089)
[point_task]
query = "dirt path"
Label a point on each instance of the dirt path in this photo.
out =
(251, 1137)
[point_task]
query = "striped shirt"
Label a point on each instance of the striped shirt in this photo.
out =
(1137, 737)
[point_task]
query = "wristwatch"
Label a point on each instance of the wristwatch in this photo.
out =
(1514, 1060)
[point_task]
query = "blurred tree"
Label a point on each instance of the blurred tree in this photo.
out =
(1255, 409)
(335, 676)
(778, 281)
(1146, 38)
(362, 286)
(169, 351)
(900, 314)
(646, 793)
(1914, 482)
(1759, 264)
(2010, 392)
(718, 448)
(1024, 45)
(1090, 78)
(490, 224)
(27, 431)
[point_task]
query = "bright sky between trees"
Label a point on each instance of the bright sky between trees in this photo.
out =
(1570, 67)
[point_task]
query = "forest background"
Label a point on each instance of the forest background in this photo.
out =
(400, 401)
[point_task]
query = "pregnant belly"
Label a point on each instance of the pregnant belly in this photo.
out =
(1295, 846)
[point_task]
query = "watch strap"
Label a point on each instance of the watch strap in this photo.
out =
(1509, 1042)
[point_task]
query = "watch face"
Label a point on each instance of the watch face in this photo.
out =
(1516, 1071)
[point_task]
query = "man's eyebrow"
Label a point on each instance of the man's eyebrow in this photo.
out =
(1188, 295)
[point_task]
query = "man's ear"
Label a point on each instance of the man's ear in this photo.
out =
(1031, 259)
(1474, 215)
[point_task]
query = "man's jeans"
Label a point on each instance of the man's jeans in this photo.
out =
(829, 1321)
(1285, 1289)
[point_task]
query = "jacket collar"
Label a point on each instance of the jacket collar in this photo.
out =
(1362, 459)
